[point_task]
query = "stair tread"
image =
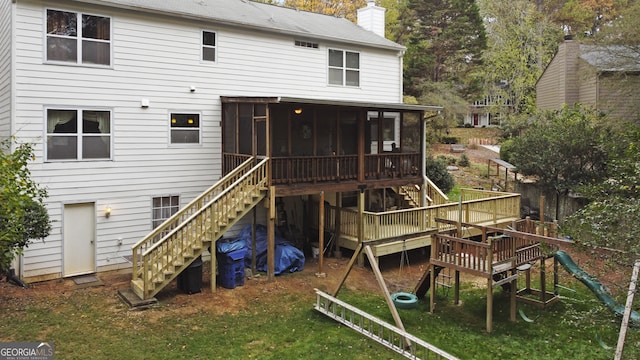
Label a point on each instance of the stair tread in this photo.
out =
(172, 261)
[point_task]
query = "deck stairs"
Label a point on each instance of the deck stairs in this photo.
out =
(410, 195)
(171, 247)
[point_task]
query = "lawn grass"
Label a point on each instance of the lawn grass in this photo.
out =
(95, 324)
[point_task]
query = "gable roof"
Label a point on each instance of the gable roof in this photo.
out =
(611, 58)
(260, 16)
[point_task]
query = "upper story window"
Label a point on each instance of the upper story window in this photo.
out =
(78, 134)
(78, 38)
(185, 128)
(344, 68)
(208, 46)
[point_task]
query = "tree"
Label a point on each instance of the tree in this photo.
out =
(612, 218)
(339, 8)
(582, 17)
(444, 43)
(521, 42)
(23, 215)
(562, 149)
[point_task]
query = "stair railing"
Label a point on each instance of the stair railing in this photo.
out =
(179, 217)
(188, 228)
(435, 194)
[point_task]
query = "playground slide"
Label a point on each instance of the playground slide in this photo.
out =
(425, 282)
(594, 285)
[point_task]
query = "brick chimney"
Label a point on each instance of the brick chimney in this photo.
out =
(371, 18)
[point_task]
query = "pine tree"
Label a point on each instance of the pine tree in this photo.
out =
(444, 43)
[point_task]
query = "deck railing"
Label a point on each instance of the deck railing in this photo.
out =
(305, 169)
(393, 165)
(475, 257)
(389, 224)
(231, 161)
(537, 227)
(479, 257)
(334, 168)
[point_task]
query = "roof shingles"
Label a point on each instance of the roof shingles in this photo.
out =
(265, 17)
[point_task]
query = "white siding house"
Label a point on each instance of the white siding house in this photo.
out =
(122, 99)
(5, 69)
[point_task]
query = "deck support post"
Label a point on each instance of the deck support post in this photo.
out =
(489, 304)
(271, 237)
(361, 223)
(456, 288)
(213, 266)
(338, 230)
(555, 276)
(253, 241)
(489, 262)
(432, 278)
(512, 296)
(543, 280)
(321, 236)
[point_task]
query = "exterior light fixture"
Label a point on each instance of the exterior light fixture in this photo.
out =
(107, 211)
(298, 111)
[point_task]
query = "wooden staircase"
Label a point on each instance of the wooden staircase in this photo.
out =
(171, 247)
(411, 195)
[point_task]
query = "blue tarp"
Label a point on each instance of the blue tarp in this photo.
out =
(288, 258)
(225, 246)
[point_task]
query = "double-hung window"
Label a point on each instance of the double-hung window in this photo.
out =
(78, 134)
(185, 128)
(344, 68)
(78, 38)
(208, 46)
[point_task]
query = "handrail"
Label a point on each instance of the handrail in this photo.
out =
(162, 257)
(436, 195)
(179, 217)
(475, 194)
(232, 187)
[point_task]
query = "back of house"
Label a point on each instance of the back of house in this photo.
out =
(122, 99)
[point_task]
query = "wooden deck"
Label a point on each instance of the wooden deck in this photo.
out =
(391, 232)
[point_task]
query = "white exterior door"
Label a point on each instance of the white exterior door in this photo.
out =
(79, 239)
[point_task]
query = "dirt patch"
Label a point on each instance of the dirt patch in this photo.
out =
(300, 284)
(255, 289)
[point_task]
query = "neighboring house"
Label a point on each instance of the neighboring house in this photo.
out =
(137, 106)
(603, 77)
(488, 111)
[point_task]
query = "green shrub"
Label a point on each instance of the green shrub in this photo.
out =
(449, 140)
(464, 160)
(506, 149)
(438, 173)
(447, 160)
